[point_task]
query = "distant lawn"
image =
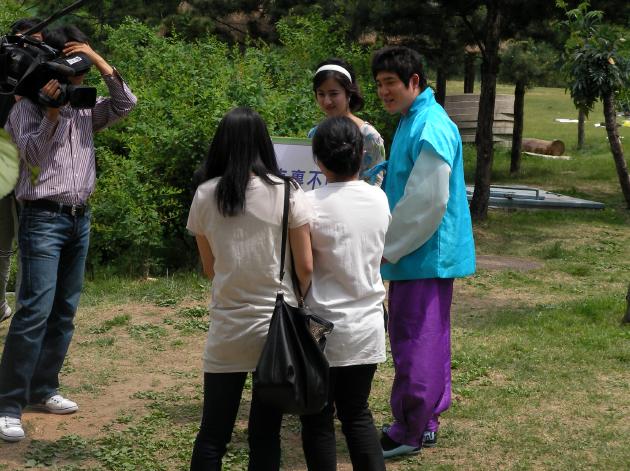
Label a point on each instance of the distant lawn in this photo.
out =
(591, 172)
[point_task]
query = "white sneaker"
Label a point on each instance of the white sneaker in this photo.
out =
(5, 311)
(58, 404)
(11, 429)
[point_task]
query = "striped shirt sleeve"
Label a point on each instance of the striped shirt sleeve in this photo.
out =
(33, 133)
(117, 105)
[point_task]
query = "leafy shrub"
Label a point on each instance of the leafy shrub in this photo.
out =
(145, 163)
(127, 227)
(184, 88)
(12, 10)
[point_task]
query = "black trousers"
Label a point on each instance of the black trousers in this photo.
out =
(221, 398)
(349, 391)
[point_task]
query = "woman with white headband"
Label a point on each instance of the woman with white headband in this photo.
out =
(337, 94)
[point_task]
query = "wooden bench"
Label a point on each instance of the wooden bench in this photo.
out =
(463, 110)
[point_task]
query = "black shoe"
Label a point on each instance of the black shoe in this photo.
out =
(429, 439)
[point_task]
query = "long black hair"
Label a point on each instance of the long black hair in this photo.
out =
(350, 86)
(241, 146)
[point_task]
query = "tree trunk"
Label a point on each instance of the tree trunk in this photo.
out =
(626, 318)
(469, 73)
(615, 146)
(581, 120)
(517, 133)
(485, 118)
(440, 93)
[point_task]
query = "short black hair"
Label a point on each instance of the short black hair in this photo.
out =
(241, 146)
(401, 61)
(350, 86)
(338, 145)
(58, 37)
(24, 24)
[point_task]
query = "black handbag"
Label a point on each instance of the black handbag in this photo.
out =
(292, 371)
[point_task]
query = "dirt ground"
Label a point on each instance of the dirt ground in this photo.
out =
(105, 380)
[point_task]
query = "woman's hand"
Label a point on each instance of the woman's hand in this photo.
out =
(206, 255)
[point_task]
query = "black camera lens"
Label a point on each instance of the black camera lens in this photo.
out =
(81, 97)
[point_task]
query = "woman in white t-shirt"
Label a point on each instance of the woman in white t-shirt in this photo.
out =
(236, 216)
(348, 230)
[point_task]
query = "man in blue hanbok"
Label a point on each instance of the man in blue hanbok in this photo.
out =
(429, 243)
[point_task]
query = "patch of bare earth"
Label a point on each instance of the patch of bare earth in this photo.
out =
(105, 379)
(130, 366)
(469, 300)
(497, 262)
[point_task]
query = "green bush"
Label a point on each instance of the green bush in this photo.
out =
(184, 88)
(12, 10)
(146, 162)
(127, 226)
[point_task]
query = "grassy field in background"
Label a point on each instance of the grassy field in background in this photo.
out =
(541, 375)
(590, 173)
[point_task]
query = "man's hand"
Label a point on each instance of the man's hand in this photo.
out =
(101, 64)
(52, 90)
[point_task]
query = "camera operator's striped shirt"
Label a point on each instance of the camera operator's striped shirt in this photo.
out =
(64, 151)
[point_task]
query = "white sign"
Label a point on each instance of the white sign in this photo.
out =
(295, 159)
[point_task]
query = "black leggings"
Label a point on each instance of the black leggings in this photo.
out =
(349, 391)
(221, 398)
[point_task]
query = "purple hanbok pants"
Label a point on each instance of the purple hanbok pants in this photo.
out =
(420, 339)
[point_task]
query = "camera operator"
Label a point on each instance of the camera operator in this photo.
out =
(53, 235)
(8, 205)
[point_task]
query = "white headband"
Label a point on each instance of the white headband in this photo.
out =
(336, 68)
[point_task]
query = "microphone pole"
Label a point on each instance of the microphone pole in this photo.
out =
(38, 27)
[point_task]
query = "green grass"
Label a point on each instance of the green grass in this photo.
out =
(591, 172)
(106, 288)
(537, 380)
(541, 365)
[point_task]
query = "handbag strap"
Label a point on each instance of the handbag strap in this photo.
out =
(285, 227)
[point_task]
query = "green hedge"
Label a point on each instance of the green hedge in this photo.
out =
(146, 162)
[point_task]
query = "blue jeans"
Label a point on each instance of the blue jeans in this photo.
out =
(53, 249)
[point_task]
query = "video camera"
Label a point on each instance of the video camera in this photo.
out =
(27, 64)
